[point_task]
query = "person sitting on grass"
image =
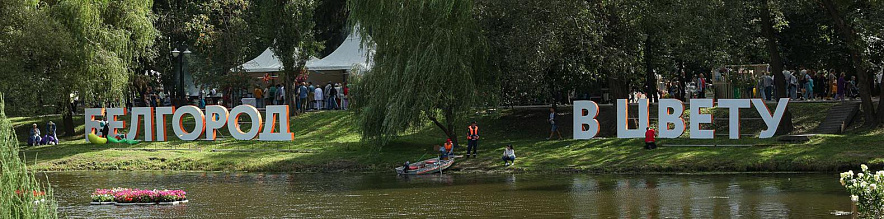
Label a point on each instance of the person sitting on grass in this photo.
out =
(650, 138)
(34, 138)
(509, 155)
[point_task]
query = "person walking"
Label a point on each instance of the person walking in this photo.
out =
(650, 138)
(472, 140)
(554, 129)
(701, 86)
(311, 89)
(259, 97)
(767, 85)
(841, 86)
(332, 98)
(302, 97)
(317, 98)
(280, 95)
(808, 87)
(509, 156)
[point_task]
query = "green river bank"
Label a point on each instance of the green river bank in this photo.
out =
(329, 142)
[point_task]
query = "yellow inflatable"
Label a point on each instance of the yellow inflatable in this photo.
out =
(94, 139)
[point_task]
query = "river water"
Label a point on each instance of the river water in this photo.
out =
(272, 195)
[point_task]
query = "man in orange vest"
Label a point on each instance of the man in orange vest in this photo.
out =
(446, 150)
(472, 140)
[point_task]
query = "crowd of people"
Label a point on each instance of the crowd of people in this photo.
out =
(808, 84)
(308, 97)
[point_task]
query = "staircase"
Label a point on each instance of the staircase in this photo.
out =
(838, 118)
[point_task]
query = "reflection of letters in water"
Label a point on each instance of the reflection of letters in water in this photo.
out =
(670, 113)
(153, 122)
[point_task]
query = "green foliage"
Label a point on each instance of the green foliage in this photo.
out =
(21, 196)
(57, 48)
(224, 38)
(430, 61)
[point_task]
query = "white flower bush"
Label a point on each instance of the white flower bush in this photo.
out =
(865, 192)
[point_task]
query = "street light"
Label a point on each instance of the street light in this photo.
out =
(176, 54)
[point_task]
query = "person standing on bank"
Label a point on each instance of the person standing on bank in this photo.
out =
(472, 140)
(552, 122)
(701, 86)
(650, 139)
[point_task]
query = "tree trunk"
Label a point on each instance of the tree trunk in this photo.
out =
(651, 79)
(447, 129)
(776, 65)
(68, 119)
(854, 45)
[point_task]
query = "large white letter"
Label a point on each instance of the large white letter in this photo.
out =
(134, 126)
(697, 118)
(772, 121)
(623, 130)
(734, 106)
(233, 124)
(91, 124)
(112, 123)
(580, 119)
(198, 118)
(217, 119)
(160, 113)
(665, 118)
(274, 113)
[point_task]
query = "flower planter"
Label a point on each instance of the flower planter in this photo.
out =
(169, 203)
(124, 204)
(107, 203)
(149, 203)
(183, 201)
(94, 203)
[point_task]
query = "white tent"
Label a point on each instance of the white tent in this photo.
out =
(266, 62)
(350, 55)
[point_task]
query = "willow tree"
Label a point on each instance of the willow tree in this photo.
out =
(429, 65)
(63, 47)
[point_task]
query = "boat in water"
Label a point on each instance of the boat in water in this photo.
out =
(427, 166)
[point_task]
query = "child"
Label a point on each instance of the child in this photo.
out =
(509, 155)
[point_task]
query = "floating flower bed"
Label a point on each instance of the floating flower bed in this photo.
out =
(124, 197)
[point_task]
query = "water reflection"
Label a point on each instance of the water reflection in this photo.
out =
(244, 195)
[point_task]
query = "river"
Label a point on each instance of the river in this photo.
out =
(279, 195)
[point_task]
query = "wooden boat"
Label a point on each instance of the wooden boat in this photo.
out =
(427, 166)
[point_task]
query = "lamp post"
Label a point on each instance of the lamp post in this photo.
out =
(180, 78)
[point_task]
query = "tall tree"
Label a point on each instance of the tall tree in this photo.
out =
(290, 24)
(858, 57)
(93, 48)
(776, 62)
(429, 64)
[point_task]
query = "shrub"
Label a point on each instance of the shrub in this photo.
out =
(865, 191)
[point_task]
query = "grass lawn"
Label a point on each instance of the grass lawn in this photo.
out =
(329, 141)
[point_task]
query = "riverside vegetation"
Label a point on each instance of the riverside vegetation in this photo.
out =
(21, 196)
(329, 142)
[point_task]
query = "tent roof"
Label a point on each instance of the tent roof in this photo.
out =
(266, 62)
(349, 55)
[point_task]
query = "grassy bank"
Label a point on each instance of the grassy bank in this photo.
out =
(327, 141)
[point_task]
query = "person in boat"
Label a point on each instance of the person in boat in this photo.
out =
(472, 140)
(509, 155)
(447, 150)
